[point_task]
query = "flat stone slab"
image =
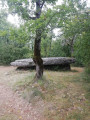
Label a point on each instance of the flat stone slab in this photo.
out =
(49, 61)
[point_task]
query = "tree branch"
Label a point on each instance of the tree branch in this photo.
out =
(42, 4)
(33, 18)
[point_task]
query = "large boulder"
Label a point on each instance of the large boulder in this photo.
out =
(49, 63)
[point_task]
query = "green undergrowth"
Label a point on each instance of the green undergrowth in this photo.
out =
(86, 84)
(84, 80)
(65, 95)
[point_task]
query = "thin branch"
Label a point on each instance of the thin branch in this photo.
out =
(48, 22)
(33, 18)
(42, 4)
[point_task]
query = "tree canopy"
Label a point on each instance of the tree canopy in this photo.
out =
(72, 18)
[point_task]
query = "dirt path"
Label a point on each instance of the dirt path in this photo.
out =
(12, 106)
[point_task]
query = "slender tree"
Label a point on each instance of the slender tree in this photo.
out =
(22, 8)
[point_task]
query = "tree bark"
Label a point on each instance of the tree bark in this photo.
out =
(72, 46)
(37, 55)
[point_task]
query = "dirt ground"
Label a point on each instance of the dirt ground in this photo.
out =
(64, 99)
(12, 106)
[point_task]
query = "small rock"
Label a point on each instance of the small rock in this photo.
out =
(6, 73)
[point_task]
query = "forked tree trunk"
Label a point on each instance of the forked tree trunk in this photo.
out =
(37, 55)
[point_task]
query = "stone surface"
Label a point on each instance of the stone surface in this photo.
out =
(61, 62)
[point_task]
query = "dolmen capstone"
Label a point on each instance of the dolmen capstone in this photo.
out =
(50, 63)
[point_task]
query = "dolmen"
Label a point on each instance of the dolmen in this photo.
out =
(50, 63)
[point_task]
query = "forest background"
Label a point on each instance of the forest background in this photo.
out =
(72, 21)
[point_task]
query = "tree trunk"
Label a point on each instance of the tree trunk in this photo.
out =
(72, 46)
(72, 50)
(37, 56)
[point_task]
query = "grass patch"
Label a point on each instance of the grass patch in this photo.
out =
(65, 95)
(86, 84)
(23, 83)
(34, 91)
(84, 80)
(9, 117)
(76, 116)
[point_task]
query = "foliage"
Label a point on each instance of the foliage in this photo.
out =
(72, 17)
(75, 30)
(12, 42)
(83, 42)
(57, 49)
(9, 53)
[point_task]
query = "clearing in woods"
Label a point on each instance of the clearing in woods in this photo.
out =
(65, 96)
